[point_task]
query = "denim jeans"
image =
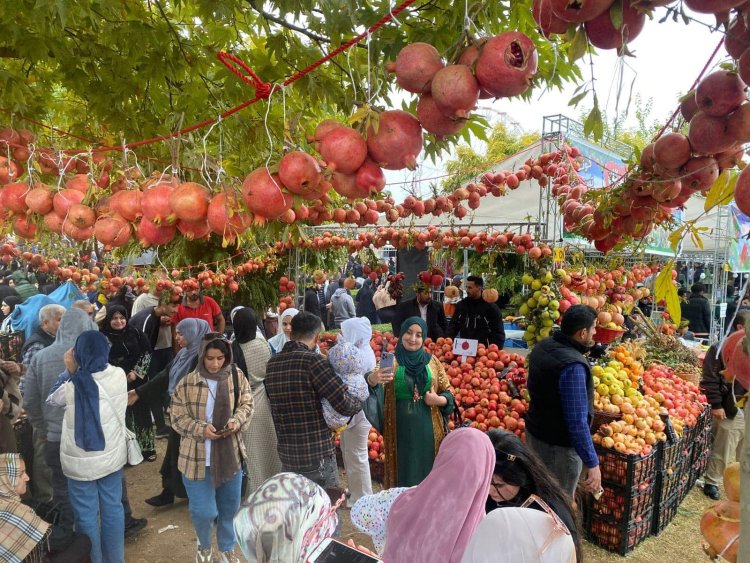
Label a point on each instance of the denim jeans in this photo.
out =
(97, 506)
(209, 505)
(62, 532)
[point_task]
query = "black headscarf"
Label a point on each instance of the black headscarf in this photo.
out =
(12, 301)
(245, 325)
(127, 344)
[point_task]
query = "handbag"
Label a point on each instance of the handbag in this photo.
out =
(135, 456)
(373, 407)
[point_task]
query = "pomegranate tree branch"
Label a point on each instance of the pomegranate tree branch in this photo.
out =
(282, 22)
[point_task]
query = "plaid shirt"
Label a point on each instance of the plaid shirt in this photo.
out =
(188, 412)
(296, 382)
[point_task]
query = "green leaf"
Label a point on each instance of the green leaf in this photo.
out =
(594, 124)
(722, 191)
(577, 98)
(665, 289)
(615, 14)
(578, 45)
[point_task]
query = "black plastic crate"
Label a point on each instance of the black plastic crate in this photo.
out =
(701, 449)
(623, 504)
(664, 513)
(618, 537)
(670, 481)
(671, 455)
(627, 470)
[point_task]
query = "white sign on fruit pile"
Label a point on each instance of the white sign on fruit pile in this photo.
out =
(465, 347)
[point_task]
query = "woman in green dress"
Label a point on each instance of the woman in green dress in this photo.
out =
(417, 400)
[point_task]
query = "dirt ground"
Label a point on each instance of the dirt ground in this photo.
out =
(679, 542)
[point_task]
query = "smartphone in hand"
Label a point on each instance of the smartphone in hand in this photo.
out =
(386, 361)
(224, 430)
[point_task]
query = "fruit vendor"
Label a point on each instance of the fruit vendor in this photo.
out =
(561, 408)
(421, 305)
(728, 424)
(475, 318)
(199, 306)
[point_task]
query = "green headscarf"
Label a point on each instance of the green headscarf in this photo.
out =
(414, 363)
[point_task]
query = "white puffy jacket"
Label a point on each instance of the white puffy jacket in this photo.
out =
(88, 466)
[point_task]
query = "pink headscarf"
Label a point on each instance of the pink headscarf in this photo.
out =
(435, 520)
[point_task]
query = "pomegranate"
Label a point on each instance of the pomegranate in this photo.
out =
(730, 157)
(720, 526)
(506, 64)
(151, 234)
(21, 154)
(712, 6)
(189, 202)
(708, 135)
(25, 136)
(13, 197)
(647, 158)
(688, 106)
(78, 182)
(346, 185)
(81, 216)
(434, 121)
(737, 38)
(370, 177)
(579, 11)
(299, 172)
(469, 58)
(743, 66)
(699, 173)
(490, 295)
(398, 141)
(64, 199)
(343, 149)
(415, 66)
(742, 191)
(9, 137)
(720, 93)
(263, 195)
(127, 203)
(112, 231)
(39, 200)
(53, 222)
(455, 91)
(8, 170)
(24, 227)
(77, 233)
(671, 151)
(546, 19)
(603, 34)
(666, 192)
(323, 128)
(155, 204)
(225, 216)
(193, 231)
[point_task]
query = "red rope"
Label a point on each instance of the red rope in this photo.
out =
(262, 89)
(695, 83)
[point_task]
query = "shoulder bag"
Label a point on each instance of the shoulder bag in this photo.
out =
(135, 456)
(373, 406)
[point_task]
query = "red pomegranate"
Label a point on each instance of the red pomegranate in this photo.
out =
(8, 170)
(579, 11)
(737, 38)
(343, 149)
(720, 526)
(743, 66)
(39, 200)
(469, 58)
(370, 178)
(81, 216)
(545, 18)
(189, 202)
(21, 154)
(647, 158)
(688, 106)
(263, 195)
(708, 135)
(323, 128)
(63, 200)
(712, 6)
(398, 141)
(155, 204)
(9, 137)
(112, 231)
(299, 172)
(151, 234)
(671, 151)
(603, 34)
(720, 93)
(77, 233)
(434, 121)
(193, 231)
(225, 216)
(455, 91)
(128, 204)
(53, 222)
(730, 157)
(13, 197)
(346, 185)
(24, 227)
(78, 182)
(665, 192)
(699, 173)
(415, 66)
(742, 191)
(506, 65)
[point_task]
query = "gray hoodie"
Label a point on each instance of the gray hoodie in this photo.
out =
(43, 371)
(342, 306)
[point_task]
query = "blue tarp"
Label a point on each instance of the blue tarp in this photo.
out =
(26, 315)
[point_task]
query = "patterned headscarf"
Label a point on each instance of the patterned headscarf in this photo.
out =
(22, 529)
(284, 520)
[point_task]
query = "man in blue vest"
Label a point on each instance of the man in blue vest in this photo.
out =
(561, 409)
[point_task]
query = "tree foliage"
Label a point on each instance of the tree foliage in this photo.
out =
(123, 71)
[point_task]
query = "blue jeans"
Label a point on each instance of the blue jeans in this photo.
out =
(209, 505)
(100, 501)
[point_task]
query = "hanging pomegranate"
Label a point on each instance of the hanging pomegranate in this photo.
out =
(415, 66)
(507, 64)
(343, 149)
(113, 232)
(155, 204)
(398, 141)
(263, 195)
(299, 172)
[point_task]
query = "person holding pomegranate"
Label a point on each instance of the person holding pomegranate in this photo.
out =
(417, 400)
(561, 409)
(728, 422)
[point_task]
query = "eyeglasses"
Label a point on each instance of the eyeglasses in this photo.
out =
(211, 336)
(559, 527)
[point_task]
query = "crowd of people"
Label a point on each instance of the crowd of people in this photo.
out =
(248, 419)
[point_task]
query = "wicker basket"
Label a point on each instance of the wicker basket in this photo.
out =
(601, 417)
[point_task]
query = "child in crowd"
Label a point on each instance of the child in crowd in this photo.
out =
(346, 361)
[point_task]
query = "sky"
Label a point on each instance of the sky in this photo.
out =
(668, 58)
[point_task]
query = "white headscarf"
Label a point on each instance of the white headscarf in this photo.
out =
(517, 535)
(284, 520)
(358, 331)
(278, 341)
